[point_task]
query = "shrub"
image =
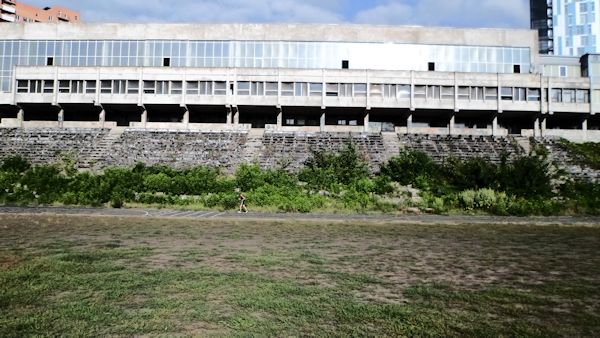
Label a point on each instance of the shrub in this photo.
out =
(15, 164)
(409, 166)
(324, 169)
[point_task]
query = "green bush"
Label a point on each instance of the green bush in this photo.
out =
(325, 170)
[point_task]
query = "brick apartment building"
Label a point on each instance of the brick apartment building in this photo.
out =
(14, 11)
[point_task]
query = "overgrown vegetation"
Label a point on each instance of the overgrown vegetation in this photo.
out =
(333, 182)
(588, 153)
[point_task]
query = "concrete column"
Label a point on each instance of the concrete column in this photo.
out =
(584, 127)
(186, 118)
(102, 117)
(229, 115)
(61, 117)
(279, 118)
(366, 121)
(236, 115)
(495, 126)
(451, 124)
(21, 117)
(543, 126)
(322, 120)
(536, 127)
(409, 122)
(144, 118)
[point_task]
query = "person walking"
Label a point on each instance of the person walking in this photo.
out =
(242, 203)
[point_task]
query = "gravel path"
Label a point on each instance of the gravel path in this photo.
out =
(424, 219)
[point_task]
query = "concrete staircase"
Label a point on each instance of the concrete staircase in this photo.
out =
(391, 144)
(95, 157)
(253, 149)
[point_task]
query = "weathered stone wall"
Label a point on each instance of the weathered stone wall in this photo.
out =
(99, 148)
(441, 147)
(291, 150)
(50, 145)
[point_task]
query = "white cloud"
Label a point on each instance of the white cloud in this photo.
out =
(456, 13)
(460, 13)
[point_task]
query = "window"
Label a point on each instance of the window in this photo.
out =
(64, 86)
(191, 87)
(376, 90)
(220, 88)
(533, 94)
(243, 88)
(477, 93)
(359, 89)
(562, 71)
(403, 91)
(556, 95)
(257, 88)
(520, 94)
(332, 89)
(420, 92)
(22, 86)
(149, 87)
(345, 64)
(166, 62)
(447, 93)
(162, 87)
(431, 66)
(300, 89)
(463, 93)
(76, 86)
(206, 88)
(506, 93)
(287, 89)
(176, 87)
(583, 96)
(133, 86)
(105, 87)
(48, 86)
(568, 96)
(316, 89)
(433, 92)
(271, 88)
(516, 69)
(50, 61)
(491, 93)
(90, 86)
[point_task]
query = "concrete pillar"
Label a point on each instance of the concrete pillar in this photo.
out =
(144, 118)
(536, 127)
(322, 120)
(20, 117)
(409, 122)
(451, 124)
(495, 125)
(543, 126)
(366, 121)
(279, 118)
(61, 117)
(186, 118)
(236, 115)
(102, 117)
(584, 124)
(229, 115)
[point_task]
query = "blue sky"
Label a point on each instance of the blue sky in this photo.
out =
(448, 13)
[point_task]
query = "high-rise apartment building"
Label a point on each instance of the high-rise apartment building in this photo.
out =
(567, 27)
(8, 10)
(14, 11)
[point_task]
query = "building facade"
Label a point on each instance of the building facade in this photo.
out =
(567, 27)
(8, 10)
(294, 77)
(16, 11)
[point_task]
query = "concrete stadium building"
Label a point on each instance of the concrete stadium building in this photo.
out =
(294, 78)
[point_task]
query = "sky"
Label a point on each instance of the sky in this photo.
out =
(446, 13)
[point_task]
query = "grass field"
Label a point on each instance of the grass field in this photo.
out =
(84, 276)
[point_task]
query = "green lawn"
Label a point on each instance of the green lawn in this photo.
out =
(90, 276)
